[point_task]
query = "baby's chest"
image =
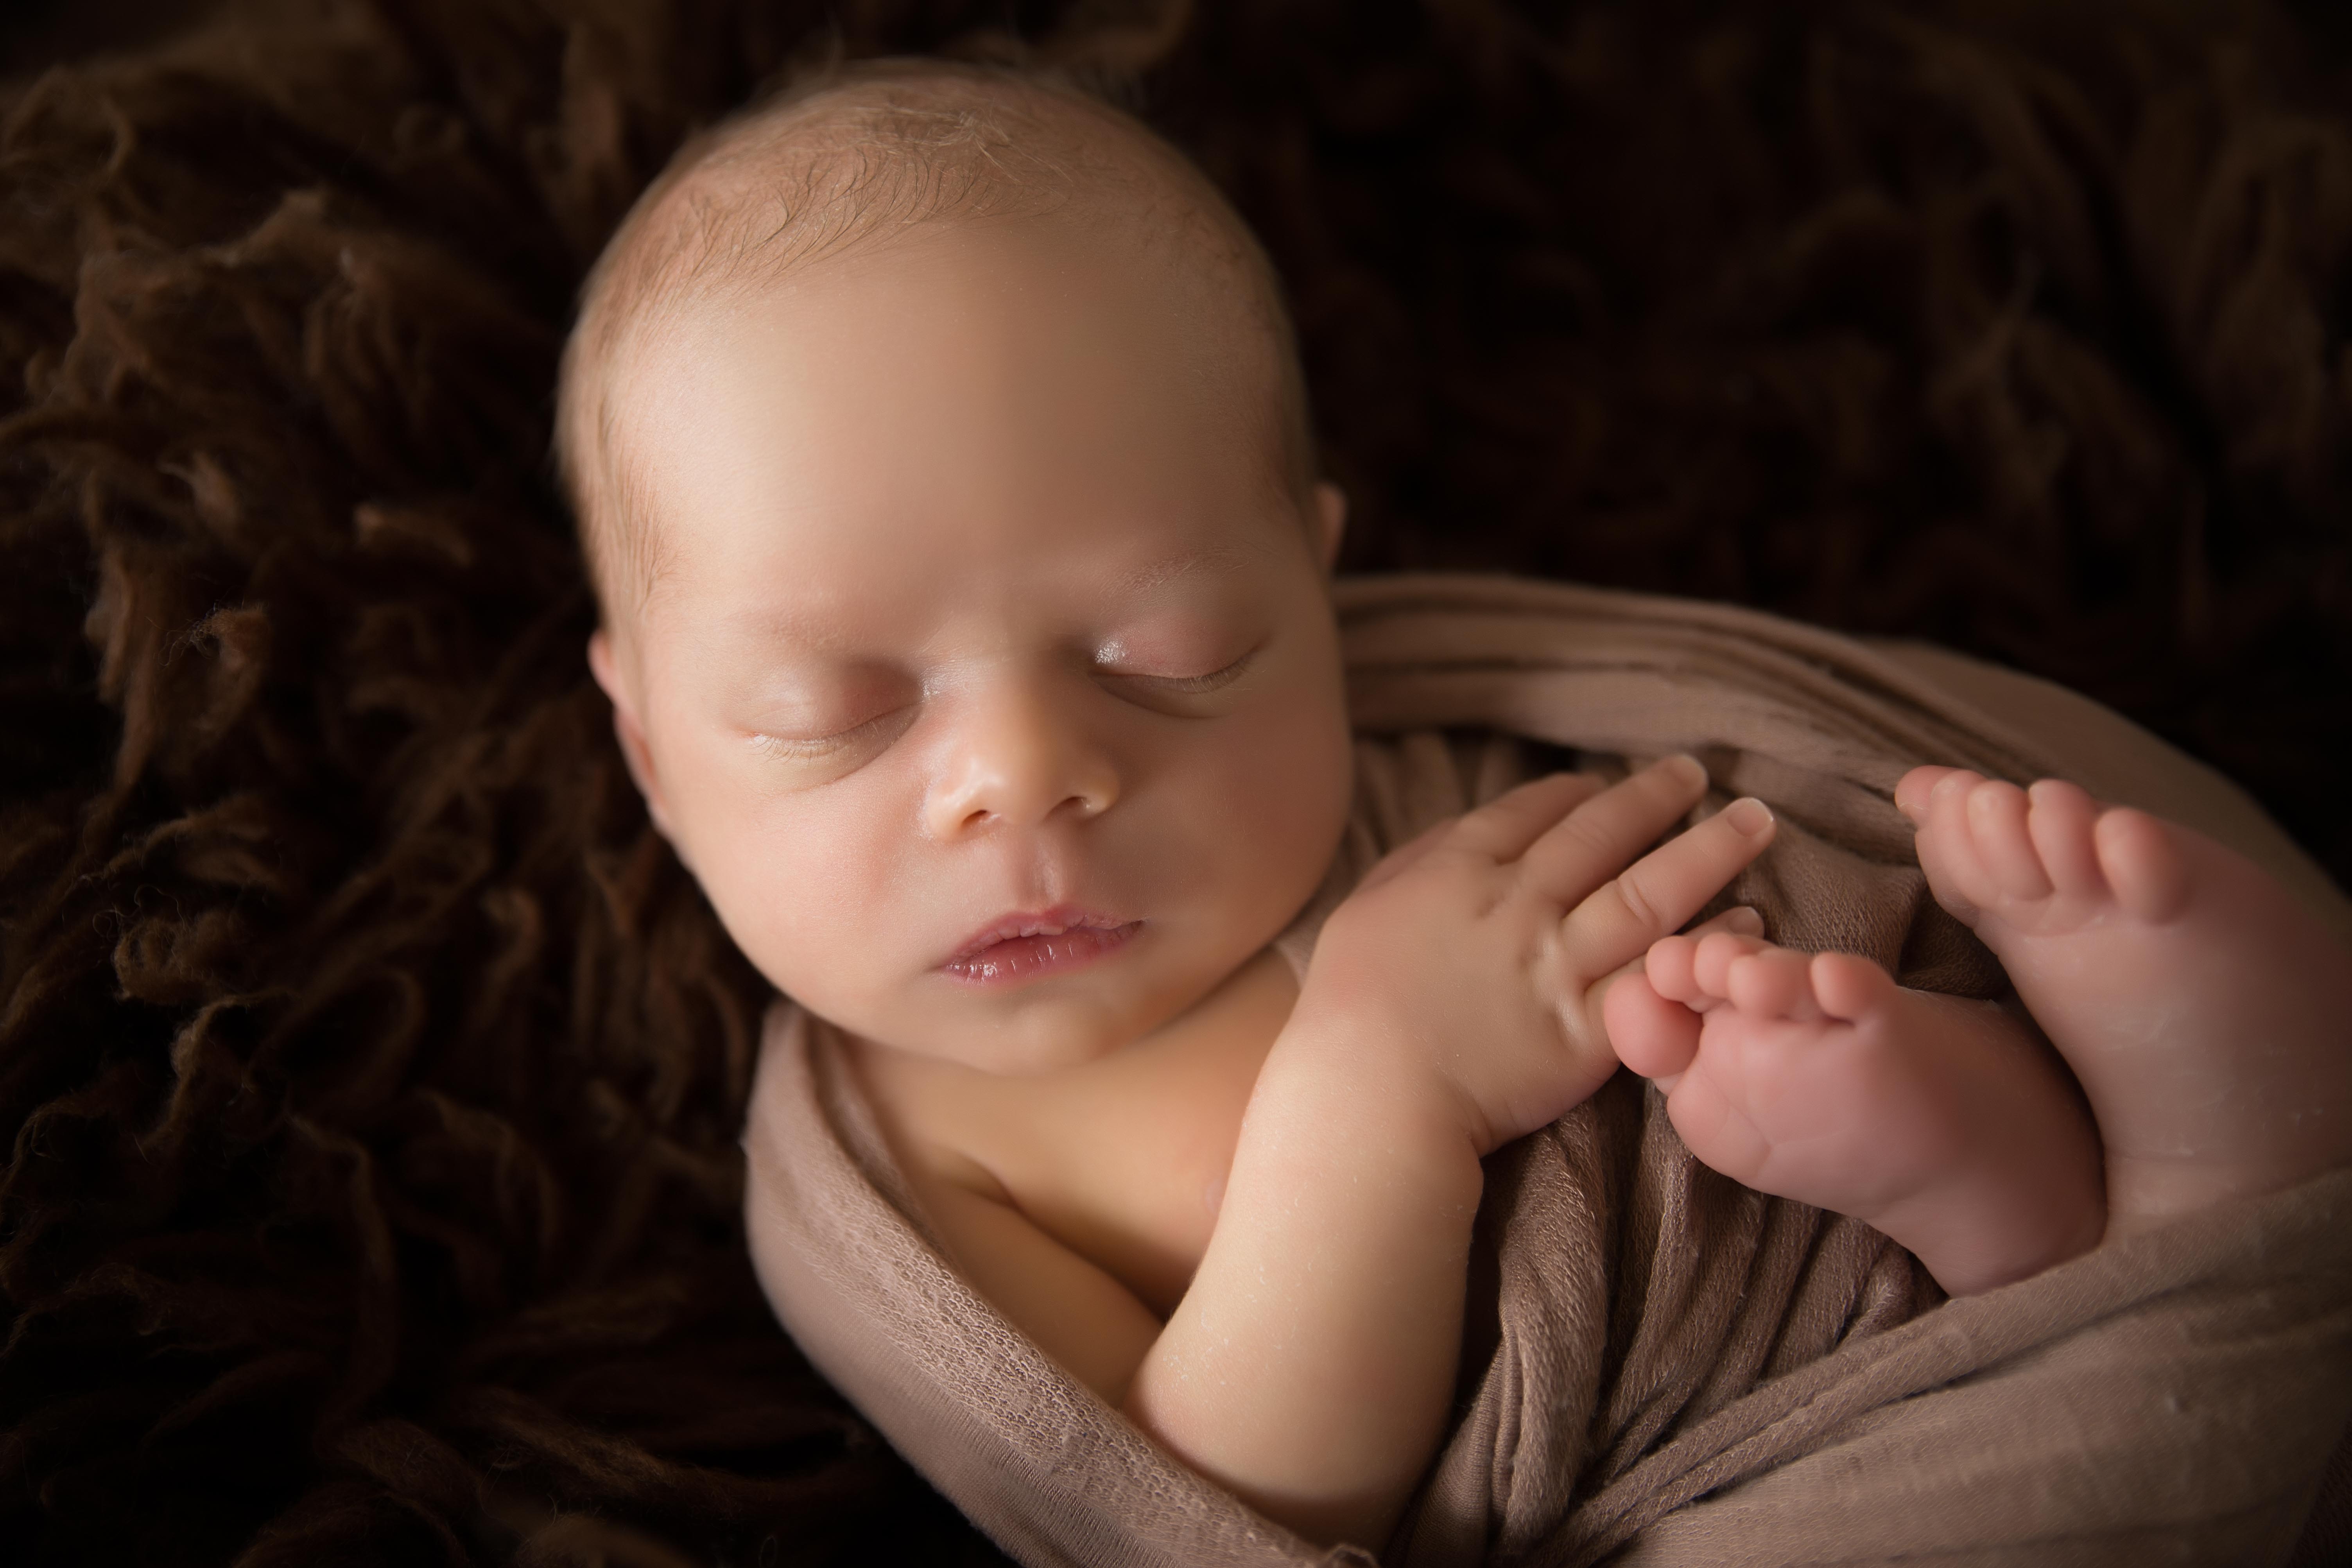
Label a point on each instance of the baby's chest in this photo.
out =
(1129, 1177)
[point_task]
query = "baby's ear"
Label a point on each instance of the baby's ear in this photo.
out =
(605, 666)
(1330, 520)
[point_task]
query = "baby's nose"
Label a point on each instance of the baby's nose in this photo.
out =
(1021, 756)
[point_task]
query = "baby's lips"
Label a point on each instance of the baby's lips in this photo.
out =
(1016, 925)
(1034, 955)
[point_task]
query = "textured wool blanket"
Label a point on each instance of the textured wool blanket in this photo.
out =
(1663, 1366)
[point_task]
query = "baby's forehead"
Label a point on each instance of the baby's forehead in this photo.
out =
(815, 184)
(971, 373)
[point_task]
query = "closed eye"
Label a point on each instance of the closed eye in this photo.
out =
(882, 728)
(1145, 686)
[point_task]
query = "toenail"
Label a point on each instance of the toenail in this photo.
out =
(1744, 920)
(1748, 814)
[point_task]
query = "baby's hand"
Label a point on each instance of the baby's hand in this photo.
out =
(1475, 957)
(1453, 1004)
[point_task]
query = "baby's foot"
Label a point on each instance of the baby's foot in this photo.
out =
(1942, 1122)
(2204, 1010)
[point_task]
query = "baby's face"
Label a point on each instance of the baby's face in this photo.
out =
(990, 685)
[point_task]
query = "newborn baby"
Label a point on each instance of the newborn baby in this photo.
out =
(942, 459)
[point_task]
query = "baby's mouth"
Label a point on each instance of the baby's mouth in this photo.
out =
(1024, 946)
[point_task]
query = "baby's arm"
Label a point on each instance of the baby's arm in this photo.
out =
(1452, 1005)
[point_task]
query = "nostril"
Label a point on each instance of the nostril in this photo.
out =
(1093, 795)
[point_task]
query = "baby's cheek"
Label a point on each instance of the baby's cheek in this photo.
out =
(1273, 798)
(805, 892)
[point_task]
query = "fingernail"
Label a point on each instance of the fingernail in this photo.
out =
(1744, 920)
(1685, 768)
(1911, 809)
(1748, 814)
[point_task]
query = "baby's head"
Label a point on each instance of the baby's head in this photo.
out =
(941, 458)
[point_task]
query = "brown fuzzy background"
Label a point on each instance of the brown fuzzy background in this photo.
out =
(370, 1073)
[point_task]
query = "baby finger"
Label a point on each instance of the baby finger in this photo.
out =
(1595, 841)
(1506, 825)
(1660, 891)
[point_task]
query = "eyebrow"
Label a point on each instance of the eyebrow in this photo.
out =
(1192, 562)
(773, 626)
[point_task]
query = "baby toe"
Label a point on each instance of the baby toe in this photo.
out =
(1997, 814)
(1654, 1036)
(1774, 984)
(2142, 863)
(1712, 959)
(1849, 987)
(1916, 788)
(1668, 968)
(2060, 818)
(1948, 849)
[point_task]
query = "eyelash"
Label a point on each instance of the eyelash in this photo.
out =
(783, 748)
(1193, 685)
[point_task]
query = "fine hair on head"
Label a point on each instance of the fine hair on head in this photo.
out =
(851, 157)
